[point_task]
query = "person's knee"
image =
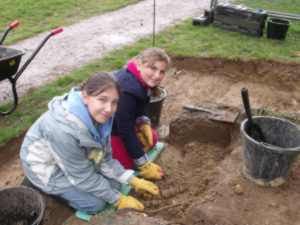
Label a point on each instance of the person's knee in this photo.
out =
(96, 207)
(84, 202)
(115, 185)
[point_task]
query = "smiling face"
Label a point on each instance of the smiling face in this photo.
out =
(102, 106)
(153, 73)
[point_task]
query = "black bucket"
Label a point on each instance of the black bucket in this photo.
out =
(155, 106)
(21, 205)
(277, 28)
(268, 163)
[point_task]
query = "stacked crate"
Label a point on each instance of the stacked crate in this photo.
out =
(238, 18)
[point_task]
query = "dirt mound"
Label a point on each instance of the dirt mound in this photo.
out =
(215, 191)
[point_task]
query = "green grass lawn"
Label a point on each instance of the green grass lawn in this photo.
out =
(289, 6)
(183, 39)
(211, 41)
(37, 16)
(187, 39)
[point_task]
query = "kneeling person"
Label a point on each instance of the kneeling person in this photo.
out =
(67, 151)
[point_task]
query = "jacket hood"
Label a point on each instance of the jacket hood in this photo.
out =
(130, 84)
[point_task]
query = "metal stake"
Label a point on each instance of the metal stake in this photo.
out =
(154, 23)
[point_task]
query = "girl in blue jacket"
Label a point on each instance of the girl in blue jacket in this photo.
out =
(67, 151)
(141, 75)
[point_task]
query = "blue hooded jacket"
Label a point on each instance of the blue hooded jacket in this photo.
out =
(64, 149)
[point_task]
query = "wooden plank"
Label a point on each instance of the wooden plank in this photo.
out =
(222, 114)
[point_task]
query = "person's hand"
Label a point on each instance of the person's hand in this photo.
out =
(151, 171)
(128, 202)
(144, 186)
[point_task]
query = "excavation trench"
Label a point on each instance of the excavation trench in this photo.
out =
(203, 158)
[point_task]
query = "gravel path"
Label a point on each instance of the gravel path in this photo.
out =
(92, 38)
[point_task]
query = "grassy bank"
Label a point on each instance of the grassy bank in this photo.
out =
(183, 39)
(42, 15)
(34, 103)
(289, 6)
(211, 41)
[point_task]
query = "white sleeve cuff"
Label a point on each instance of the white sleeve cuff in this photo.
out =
(142, 160)
(126, 176)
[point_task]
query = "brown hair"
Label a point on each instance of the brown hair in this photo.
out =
(152, 55)
(99, 83)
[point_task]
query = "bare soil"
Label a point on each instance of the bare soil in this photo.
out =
(203, 183)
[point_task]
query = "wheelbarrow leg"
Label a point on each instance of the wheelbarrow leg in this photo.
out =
(15, 95)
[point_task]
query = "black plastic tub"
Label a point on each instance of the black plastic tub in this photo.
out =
(21, 205)
(154, 108)
(277, 28)
(268, 163)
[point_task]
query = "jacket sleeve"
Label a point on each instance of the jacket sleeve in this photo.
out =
(125, 125)
(80, 171)
(112, 168)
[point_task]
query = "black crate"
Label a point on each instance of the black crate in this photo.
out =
(240, 19)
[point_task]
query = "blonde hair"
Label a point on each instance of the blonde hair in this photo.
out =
(152, 55)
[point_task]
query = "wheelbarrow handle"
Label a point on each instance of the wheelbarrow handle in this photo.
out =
(11, 26)
(14, 24)
(53, 32)
(14, 79)
(56, 31)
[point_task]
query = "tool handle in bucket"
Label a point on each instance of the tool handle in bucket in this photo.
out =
(254, 130)
(246, 102)
(53, 32)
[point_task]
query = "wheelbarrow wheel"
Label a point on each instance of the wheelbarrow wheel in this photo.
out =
(15, 96)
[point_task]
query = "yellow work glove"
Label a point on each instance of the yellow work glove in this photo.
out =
(151, 171)
(143, 141)
(128, 202)
(145, 135)
(142, 186)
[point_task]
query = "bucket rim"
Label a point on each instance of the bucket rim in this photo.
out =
(272, 147)
(40, 198)
(279, 21)
(162, 96)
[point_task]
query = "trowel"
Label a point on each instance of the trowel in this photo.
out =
(253, 129)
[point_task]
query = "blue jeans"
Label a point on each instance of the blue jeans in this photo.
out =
(84, 201)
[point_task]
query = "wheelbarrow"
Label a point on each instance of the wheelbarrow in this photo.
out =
(10, 60)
